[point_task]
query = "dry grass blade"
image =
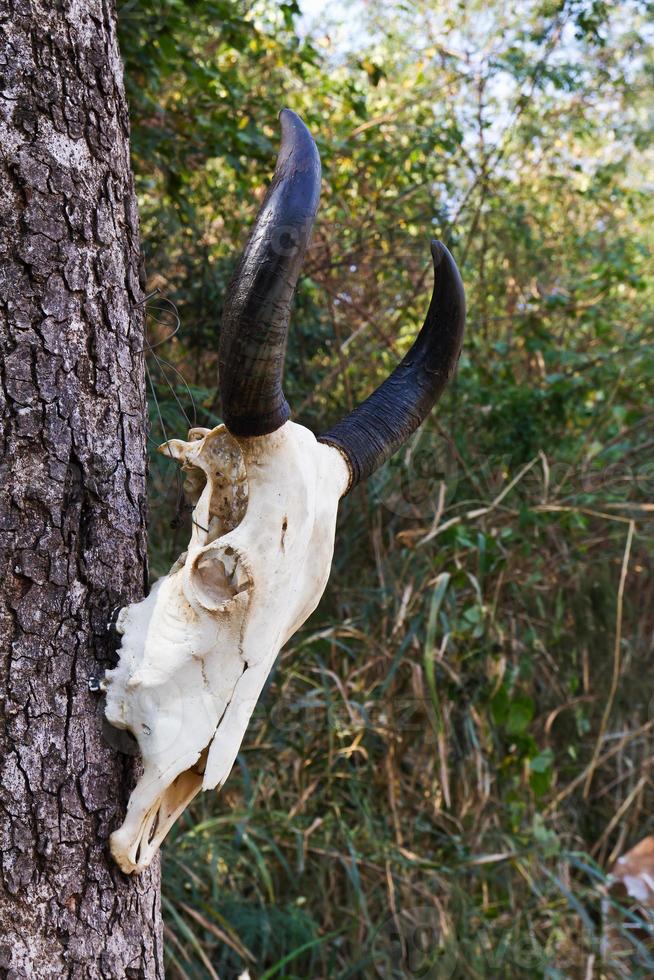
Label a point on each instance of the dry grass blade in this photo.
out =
(219, 933)
(615, 678)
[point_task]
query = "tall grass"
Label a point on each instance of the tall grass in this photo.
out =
(455, 748)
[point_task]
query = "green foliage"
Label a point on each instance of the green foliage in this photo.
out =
(440, 749)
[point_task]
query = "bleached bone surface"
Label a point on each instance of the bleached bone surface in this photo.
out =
(196, 652)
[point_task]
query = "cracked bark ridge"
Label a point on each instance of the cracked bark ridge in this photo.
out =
(72, 494)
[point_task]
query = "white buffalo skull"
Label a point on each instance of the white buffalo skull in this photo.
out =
(195, 654)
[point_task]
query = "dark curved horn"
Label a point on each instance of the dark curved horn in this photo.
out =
(378, 426)
(258, 301)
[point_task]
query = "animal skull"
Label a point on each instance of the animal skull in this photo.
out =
(196, 652)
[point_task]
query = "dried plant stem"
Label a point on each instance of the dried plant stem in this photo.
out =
(616, 662)
(569, 789)
(619, 814)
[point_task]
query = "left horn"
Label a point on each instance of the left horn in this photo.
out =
(258, 302)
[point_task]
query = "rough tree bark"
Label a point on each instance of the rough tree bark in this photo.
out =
(72, 493)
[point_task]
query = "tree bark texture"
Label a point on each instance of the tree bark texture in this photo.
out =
(72, 494)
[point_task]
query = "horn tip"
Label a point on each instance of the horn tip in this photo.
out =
(438, 252)
(298, 147)
(291, 121)
(286, 114)
(444, 260)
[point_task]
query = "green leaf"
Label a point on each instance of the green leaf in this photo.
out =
(542, 762)
(520, 714)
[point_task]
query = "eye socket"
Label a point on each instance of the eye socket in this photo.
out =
(218, 575)
(212, 579)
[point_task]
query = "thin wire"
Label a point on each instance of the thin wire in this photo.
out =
(178, 476)
(170, 307)
(156, 402)
(161, 361)
(149, 348)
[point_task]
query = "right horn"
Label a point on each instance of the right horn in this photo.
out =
(376, 429)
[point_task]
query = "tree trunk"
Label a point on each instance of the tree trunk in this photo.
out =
(72, 494)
